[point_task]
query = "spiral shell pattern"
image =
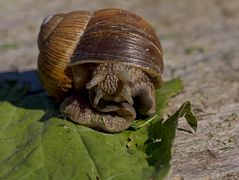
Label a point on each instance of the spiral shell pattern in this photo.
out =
(108, 35)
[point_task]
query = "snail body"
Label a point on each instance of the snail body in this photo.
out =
(112, 55)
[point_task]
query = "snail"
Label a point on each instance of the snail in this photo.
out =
(104, 66)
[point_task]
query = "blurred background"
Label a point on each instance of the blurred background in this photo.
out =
(200, 39)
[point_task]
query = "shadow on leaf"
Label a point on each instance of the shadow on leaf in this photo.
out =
(24, 90)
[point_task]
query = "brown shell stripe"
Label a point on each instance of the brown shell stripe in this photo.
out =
(57, 41)
(119, 35)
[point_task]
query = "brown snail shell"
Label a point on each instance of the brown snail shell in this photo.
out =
(108, 35)
(57, 40)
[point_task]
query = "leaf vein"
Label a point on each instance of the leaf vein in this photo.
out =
(88, 152)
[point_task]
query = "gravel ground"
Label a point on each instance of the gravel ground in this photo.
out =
(200, 39)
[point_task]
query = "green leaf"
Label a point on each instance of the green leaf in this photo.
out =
(36, 144)
(7, 46)
(162, 135)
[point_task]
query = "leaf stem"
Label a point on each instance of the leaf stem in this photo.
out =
(148, 121)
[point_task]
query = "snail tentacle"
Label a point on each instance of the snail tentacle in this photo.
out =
(98, 78)
(126, 94)
(125, 77)
(98, 96)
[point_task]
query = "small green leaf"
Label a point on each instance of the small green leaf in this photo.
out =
(36, 144)
(8, 46)
(162, 135)
(194, 49)
(184, 111)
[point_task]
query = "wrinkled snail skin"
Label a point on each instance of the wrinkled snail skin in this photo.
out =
(112, 54)
(77, 108)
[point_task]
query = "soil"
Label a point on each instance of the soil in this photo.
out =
(200, 39)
